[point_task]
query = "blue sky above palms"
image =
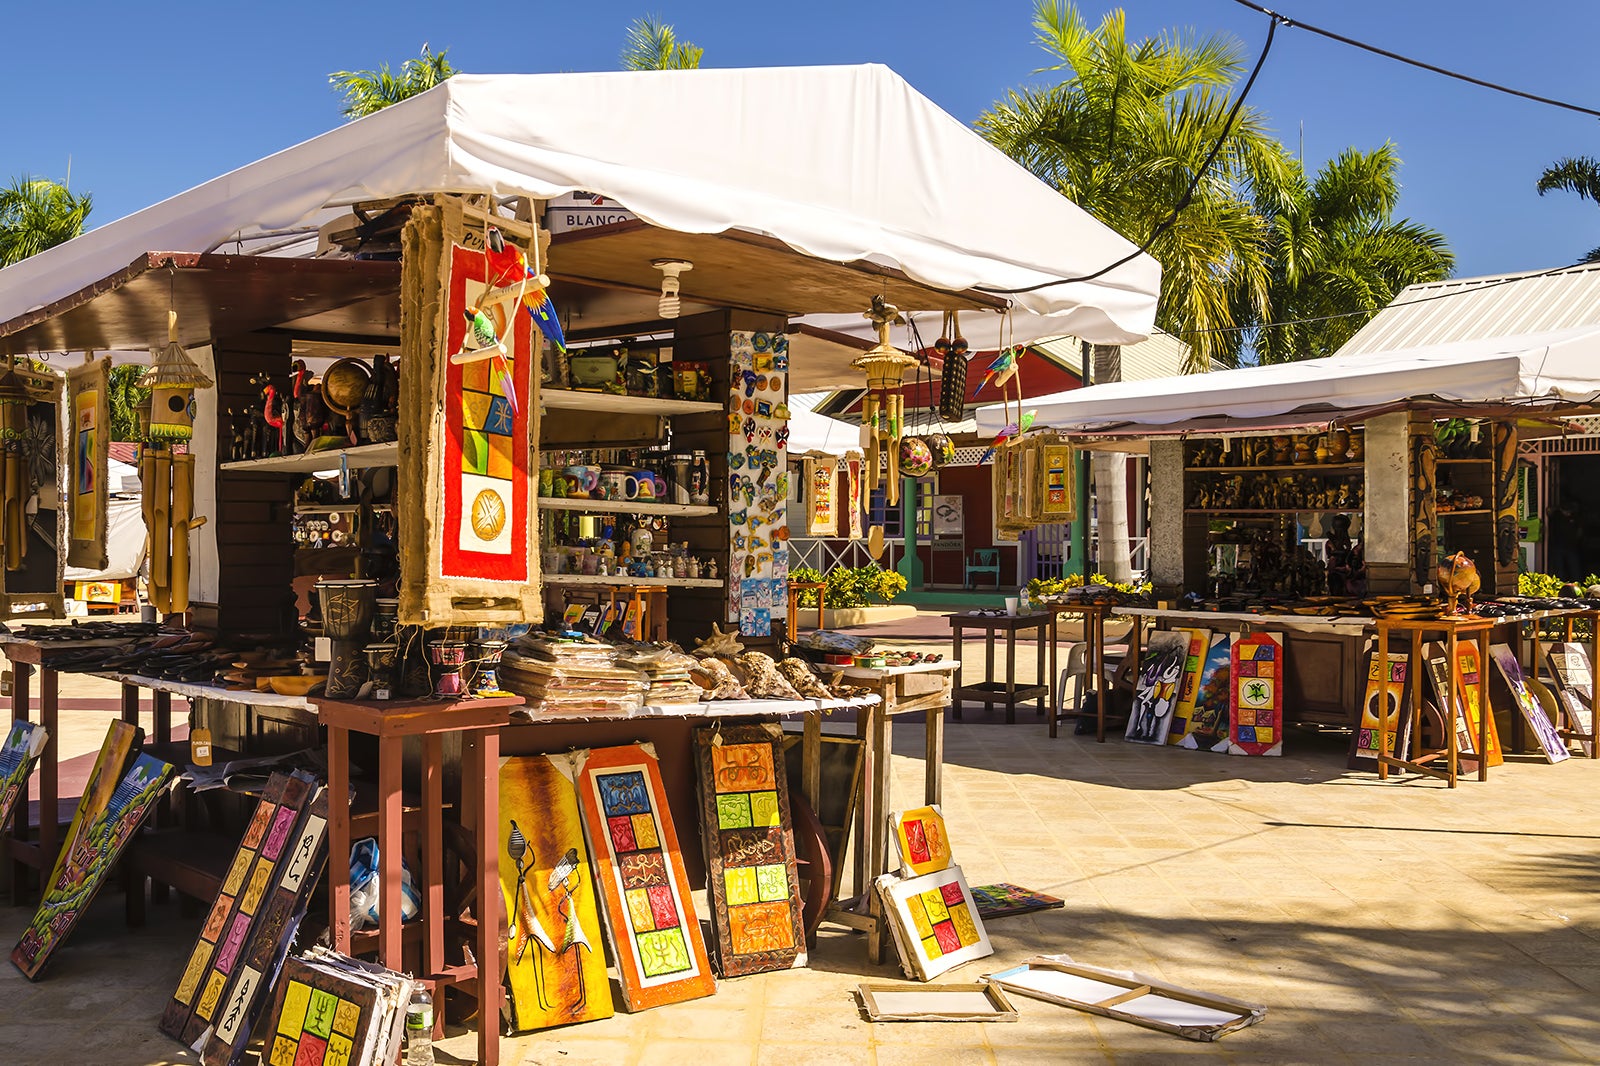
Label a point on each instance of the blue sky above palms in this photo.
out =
(146, 103)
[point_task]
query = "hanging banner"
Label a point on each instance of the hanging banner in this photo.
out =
(822, 510)
(852, 495)
(88, 395)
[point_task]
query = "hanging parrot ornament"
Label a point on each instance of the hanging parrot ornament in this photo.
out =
(483, 336)
(508, 266)
(1001, 370)
(1015, 429)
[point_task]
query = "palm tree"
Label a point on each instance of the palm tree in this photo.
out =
(653, 45)
(1579, 174)
(36, 214)
(1123, 135)
(366, 91)
(1335, 249)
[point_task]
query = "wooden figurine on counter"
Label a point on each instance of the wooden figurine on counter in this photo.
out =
(1458, 576)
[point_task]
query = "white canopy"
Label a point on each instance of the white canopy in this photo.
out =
(813, 432)
(1557, 365)
(840, 163)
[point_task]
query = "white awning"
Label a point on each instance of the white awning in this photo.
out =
(840, 163)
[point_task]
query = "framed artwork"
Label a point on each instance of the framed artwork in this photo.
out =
(1364, 738)
(852, 495)
(1255, 709)
(1003, 899)
(555, 960)
(1057, 505)
(752, 880)
(1194, 661)
(822, 508)
(33, 579)
(24, 741)
(981, 1002)
(88, 407)
(1469, 670)
(643, 889)
(920, 835)
(331, 1010)
(1544, 730)
(119, 795)
(934, 921)
(1157, 687)
(1208, 722)
(1569, 663)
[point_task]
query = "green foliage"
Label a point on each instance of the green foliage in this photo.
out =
(125, 399)
(367, 91)
(1041, 587)
(36, 214)
(1539, 585)
(1578, 174)
(850, 587)
(653, 45)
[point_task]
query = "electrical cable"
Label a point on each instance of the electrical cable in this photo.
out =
(1188, 194)
(1295, 23)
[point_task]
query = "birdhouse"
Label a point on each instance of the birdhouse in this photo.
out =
(172, 379)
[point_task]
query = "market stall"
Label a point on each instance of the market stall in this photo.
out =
(376, 484)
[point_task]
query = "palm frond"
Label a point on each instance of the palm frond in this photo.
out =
(1579, 174)
(36, 214)
(367, 91)
(653, 45)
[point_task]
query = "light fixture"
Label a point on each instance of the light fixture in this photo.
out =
(670, 305)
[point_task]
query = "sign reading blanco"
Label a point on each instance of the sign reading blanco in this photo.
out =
(583, 210)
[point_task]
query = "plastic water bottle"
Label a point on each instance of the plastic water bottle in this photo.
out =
(419, 1028)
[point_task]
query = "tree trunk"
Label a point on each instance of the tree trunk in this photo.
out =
(1111, 483)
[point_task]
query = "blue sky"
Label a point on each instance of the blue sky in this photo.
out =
(149, 100)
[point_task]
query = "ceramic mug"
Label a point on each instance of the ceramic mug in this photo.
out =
(587, 477)
(547, 478)
(640, 488)
(613, 485)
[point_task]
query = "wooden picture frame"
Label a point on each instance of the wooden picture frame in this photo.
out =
(89, 448)
(934, 920)
(982, 1001)
(1364, 737)
(1574, 674)
(922, 840)
(1194, 662)
(1119, 994)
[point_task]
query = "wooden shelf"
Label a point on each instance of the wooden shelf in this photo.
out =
(1271, 510)
(363, 455)
(1342, 468)
(612, 403)
(1441, 462)
(336, 508)
(619, 579)
(1467, 510)
(568, 503)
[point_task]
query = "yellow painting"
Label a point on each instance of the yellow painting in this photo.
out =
(924, 847)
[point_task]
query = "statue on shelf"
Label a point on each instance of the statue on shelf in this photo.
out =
(1347, 567)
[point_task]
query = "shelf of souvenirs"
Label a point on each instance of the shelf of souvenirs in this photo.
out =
(578, 503)
(357, 457)
(337, 508)
(1445, 512)
(1480, 462)
(1303, 468)
(1274, 510)
(622, 404)
(624, 579)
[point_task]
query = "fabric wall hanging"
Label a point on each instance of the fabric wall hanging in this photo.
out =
(466, 431)
(643, 889)
(822, 497)
(751, 878)
(934, 921)
(555, 960)
(758, 479)
(1255, 714)
(88, 406)
(852, 495)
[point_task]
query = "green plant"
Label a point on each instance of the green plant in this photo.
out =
(1539, 585)
(1041, 587)
(1451, 433)
(850, 587)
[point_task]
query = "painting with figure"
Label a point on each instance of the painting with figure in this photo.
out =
(555, 960)
(1157, 687)
(1208, 723)
(1544, 730)
(924, 844)
(1194, 662)
(642, 885)
(752, 881)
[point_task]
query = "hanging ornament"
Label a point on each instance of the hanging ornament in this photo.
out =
(916, 458)
(942, 448)
(883, 410)
(953, 375)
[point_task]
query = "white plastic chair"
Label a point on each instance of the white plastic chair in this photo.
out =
(1075, 671)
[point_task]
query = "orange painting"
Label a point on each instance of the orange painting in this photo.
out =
(924, 846)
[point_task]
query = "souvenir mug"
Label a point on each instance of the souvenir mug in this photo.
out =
(614, 485)
(641, 486)
(547, 478)
(586, 478)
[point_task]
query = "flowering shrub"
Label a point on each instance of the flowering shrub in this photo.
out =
(851, 587)
(1040, 587)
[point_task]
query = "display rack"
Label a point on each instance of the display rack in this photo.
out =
(569, 503)
(622, 404)
(359, 456)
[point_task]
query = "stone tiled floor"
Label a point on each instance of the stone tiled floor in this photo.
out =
(1377, 922)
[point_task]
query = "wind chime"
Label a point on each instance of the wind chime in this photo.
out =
(167, 478)
(883, 411)
(14, 489)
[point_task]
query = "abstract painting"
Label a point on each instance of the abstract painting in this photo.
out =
(1544, 730)
(1569, 662)
(1003, 899)
(1157, 687)
(1255, 709)
(332, 1010)
(554, 955)
(1194, 662)
(23, 744)
(643, 888)
(1469, 671)
(119, 795)
(1208, 722)
(934, 921)
(1364, 738)
(924, 844)
(751, 876)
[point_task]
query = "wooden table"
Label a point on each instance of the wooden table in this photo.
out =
(1453, 629)
(924, 687)
(989, 691)
(1094, 657)
(797, 587)
(391, 721)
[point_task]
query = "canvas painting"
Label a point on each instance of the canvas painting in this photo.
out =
(1194, 661)
(924, 845)
(331, 1010)
(1255, 710)
(1208, 722)
(1364, 738)
(119, 795)
(643, 888)
(1569, 662)
(1544, 730)
(88, 391)
(1469, 670)
(24, 742)
(36, 561)
(752, 879)
(554, 955)
(1003, 899)
(934, 921)
(1157, 687)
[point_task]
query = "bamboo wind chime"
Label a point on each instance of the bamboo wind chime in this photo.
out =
(883, 412)
(168, 478)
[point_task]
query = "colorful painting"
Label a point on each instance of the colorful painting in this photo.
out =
(1436, 666)
(1003, 899)
(752, 880)
(758, 479)
(822, 511)
(1544, 730)
(644, 890)
(88, 391)
(1469, 671)
(924, 844)
(1364, 738)
(554, 956)
(22, 747)
(935, 922)
(1208, 722)
(1569, 662)
(1157, 687)
(332, 1010)
(852, 495)
(1255, 710)
(120, 794)
(1194, 662)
